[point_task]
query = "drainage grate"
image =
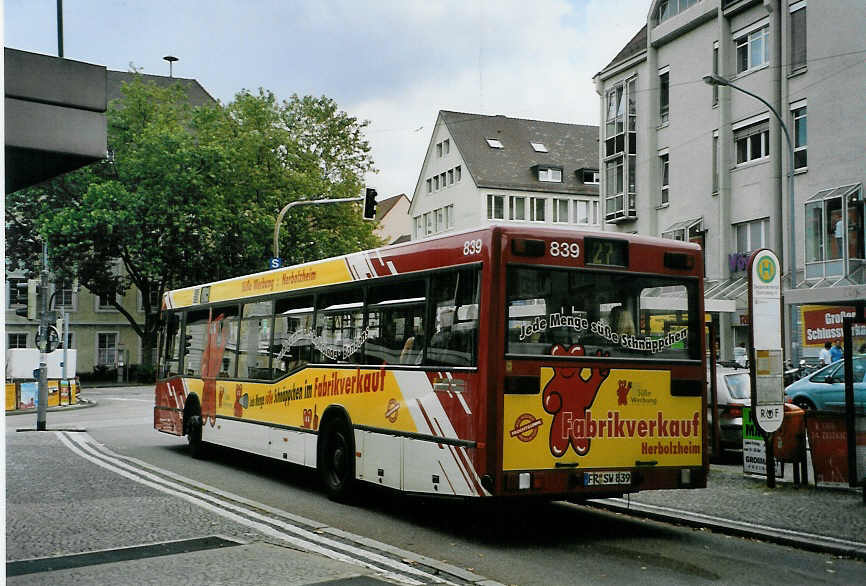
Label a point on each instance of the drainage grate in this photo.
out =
(108, 556)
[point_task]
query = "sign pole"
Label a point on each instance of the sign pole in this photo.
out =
(766, 362)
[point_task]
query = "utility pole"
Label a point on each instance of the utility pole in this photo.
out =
(42, 397)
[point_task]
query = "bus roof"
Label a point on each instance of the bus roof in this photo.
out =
(441, 250)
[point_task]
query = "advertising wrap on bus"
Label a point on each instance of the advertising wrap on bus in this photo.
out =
(601, 419)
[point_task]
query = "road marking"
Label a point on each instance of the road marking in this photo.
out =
(244, 511)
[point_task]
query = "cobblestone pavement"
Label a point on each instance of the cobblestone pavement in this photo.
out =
(832, 513)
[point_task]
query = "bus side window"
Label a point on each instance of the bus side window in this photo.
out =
(455, 297)
(339, 326)
(255, 333)
(293, 334)
(171, 349)
(395, 322)
(195, 338)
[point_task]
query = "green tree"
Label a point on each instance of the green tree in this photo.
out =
(190, 195)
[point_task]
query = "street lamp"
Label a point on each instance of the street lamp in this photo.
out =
(715, 80)
(171, 59)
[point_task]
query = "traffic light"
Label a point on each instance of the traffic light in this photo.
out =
(370, 204)
(32, 286)
(187, 342)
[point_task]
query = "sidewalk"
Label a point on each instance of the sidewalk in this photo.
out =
(831, 520)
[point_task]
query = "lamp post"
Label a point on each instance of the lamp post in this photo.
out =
(716, 80)
(171, 59)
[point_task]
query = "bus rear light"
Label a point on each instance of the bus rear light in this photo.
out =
(734, 410)
(524, 480)
(679, 260)
(527, 247)
(685, 477)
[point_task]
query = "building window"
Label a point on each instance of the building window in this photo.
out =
(538, 147)
(715, 71)
(495, 207)
(753, 50)
(440, 219)
(589, 176)
(536, 209)
(436, 183)
(664, 174)
(16, 341)
(104, 302)
(752, 142)
(620, 151)
(449, 216)
(458, 172)
(106, 349)
(494, 143)
(446, 146)
(65, 296)
(664, 97)
(835, 232)
(450, 176)
(442, 180)
(517, 208)
(550, 174)
(439, 149)
(429, 228)
(800, 137)
(752, 235)
(560, 210)
(581, 212)
(419, 227)
(429, 186)
(668, 8)
(715, 162)
(798, 36)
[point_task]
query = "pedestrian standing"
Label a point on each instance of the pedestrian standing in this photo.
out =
(836, 351)
(824, 356)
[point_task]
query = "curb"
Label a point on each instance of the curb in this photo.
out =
(798, 539)
(82, 404)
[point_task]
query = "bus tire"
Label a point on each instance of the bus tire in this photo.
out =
(337, 458)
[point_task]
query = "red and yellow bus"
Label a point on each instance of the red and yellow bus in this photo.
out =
(499, 362)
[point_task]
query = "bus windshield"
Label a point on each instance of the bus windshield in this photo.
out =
(604, 313)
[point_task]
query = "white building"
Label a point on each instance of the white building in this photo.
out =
(686, 160)
(480, 169)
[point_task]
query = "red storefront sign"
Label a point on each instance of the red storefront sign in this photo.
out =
(823, 323)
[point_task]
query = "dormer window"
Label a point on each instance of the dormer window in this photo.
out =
(494, 143)
(538, 147)
(550, 174)
(588, 175)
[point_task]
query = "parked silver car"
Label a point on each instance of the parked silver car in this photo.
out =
(733, 392)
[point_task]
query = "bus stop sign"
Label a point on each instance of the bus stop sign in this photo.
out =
(765, 307)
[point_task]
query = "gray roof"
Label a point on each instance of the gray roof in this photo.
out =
(635, 46)
(198, 96)
(570, 147)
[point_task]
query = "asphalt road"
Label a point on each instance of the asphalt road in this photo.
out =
(551, 543)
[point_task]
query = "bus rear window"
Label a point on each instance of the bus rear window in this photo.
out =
(611, 314)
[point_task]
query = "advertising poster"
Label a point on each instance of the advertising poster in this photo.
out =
(823, 323)
(754, 450)
(28, 393)
(828, 442)
(11, 396)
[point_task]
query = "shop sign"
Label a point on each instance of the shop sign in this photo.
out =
(823, 323)
(754, 449)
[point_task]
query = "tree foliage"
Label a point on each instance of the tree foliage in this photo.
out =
(190, 195)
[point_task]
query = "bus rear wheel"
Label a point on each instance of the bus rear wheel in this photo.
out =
(337, 459)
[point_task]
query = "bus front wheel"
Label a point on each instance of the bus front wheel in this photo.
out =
(337, 459)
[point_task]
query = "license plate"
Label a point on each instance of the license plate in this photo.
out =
(606, 478)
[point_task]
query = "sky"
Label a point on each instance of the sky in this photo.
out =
(393, 63)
